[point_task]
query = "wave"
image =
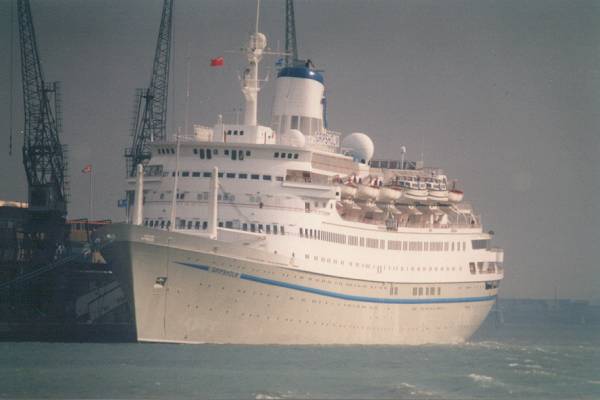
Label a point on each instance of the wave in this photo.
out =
(274, 395)
(405, 389)
(481, 378)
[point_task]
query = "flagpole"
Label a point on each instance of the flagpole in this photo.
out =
(90, 216)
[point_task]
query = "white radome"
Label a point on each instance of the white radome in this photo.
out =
(359, 146)
(293, 137)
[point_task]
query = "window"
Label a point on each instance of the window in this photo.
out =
(244, 227)
(226, 152)
(268, 228)
(276, 154)
(202, 153)
(235, 132)
(254, 176)
(197, 225)
(181, 224)
(479, 244)
(207, 174)
(248, 153)
(220, 174)
(229, 132)
(282, 155)
(472, 268)
(290, 155)
(282, 231)
(279, 178)
(240, 154)
(204, 225)
(295, 156)
(295, 122)
(162, 224)
(275, 229)
(229, 224)
(185, 173)
(267, 177)
(195, 174)
(241, 133)
(195, 151)
(243, 176)
(233, 155)
(230, 175)
(301, 233)
(252, 227)
(189, 224)
(208, 155)
(151, 223)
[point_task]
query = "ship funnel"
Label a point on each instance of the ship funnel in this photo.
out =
(298, 101)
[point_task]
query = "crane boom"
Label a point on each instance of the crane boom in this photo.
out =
(150, 121)
(291, 48)
(43, 155)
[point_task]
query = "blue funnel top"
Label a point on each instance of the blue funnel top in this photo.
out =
(301, 72)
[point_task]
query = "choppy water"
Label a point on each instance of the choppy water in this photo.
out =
(514, 362)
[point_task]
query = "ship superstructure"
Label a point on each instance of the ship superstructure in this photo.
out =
(284, 233)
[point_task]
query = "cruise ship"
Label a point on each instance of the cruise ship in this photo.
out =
(291, 233)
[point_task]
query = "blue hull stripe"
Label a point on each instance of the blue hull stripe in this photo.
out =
(349, 297)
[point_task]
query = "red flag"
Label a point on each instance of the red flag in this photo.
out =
(87, 169)
(217, 62)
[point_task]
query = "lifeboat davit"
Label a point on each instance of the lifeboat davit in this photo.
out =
(365, 192)
(455, 195)
(388, 195)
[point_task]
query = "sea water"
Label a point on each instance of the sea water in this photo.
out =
(531, 361)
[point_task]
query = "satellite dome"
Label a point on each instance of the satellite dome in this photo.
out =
(293, 137)
(359, 146)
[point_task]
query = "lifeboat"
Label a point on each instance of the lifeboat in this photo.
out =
(347, 191)
(370, 207)
(438, 195)
(455, 195)
(416, 192)
(365, 192)
(388, 195)
(438, 191)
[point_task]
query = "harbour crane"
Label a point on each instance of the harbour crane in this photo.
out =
(150, 117)
(44, 156)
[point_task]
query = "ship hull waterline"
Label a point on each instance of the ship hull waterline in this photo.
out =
(187, 289)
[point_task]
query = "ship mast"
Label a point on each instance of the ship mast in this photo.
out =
(250, 86)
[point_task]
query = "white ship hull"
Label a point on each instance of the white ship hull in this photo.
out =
(188, 289)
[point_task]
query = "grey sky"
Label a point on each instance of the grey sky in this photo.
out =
(504, 95)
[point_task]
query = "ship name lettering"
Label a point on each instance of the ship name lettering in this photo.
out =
(225, 272)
